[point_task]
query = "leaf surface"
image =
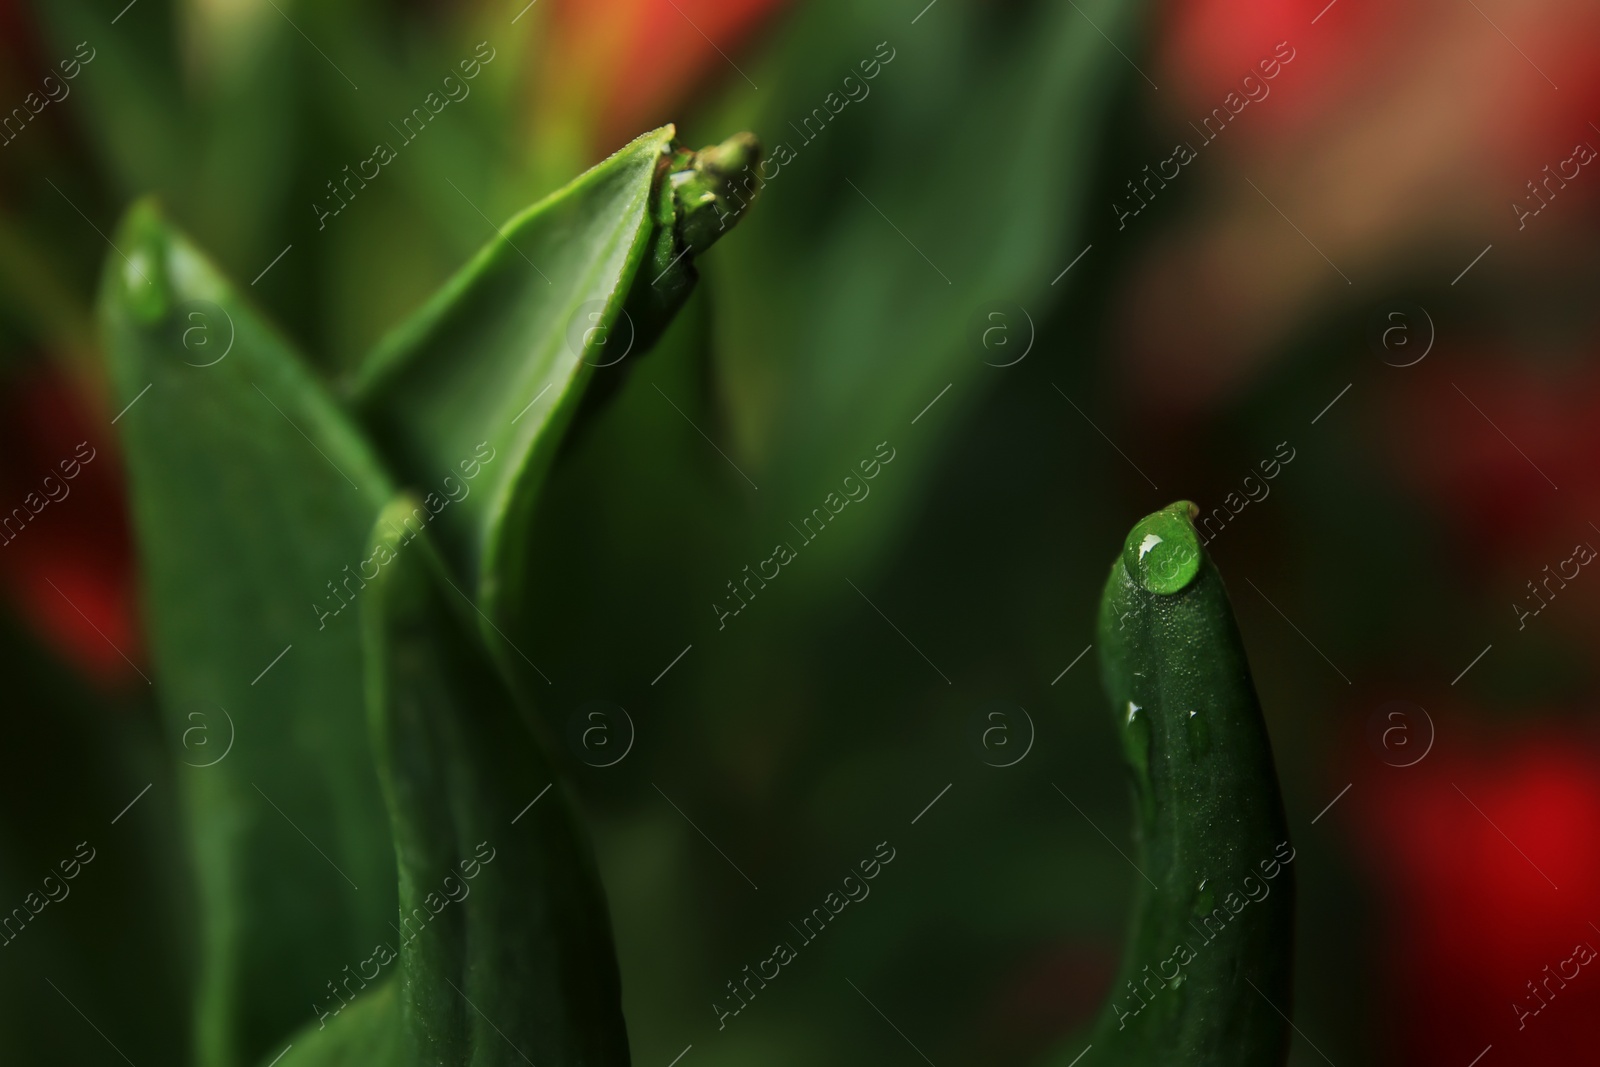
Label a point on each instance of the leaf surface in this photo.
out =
(252, 495)
(1206, 972)
(502, 354)
(504, 944)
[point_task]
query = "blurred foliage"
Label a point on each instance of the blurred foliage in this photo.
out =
(237, 519)
(112, 944)
(807, 730)
(821, 333)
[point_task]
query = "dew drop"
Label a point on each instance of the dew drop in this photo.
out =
(1162, 553)
(1199, 731)
(146, 290)
(1136, 742)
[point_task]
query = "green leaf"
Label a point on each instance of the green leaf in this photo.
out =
(252, 496)
(364, 1034)
(489, 356)
(1205, 975)
(578, 282)
(503, 944)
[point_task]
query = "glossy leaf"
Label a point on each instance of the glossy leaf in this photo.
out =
(1205, 975)
(503, 950)
(489, 357)
(252, 496)
(577, 283)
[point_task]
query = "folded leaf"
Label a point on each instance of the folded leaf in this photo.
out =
(252, 496)
(505, 951)
(503, 353)
(1205, 976)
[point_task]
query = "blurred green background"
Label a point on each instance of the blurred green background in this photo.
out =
(1189, 341)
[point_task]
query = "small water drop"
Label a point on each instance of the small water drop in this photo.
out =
(1180, 998)
(1136, 746)
(146, 290)
(1199, 735)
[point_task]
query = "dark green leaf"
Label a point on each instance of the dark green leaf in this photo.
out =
(1205, 975)
(252, 496)
(497, 355)
(503, 949)
(499, 359)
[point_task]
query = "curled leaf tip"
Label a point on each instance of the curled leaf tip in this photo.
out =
(712, 187)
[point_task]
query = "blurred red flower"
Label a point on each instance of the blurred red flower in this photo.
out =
(618, 67)
(67, 567)
(1488, 442)
(1489, 854)
(1375, 157)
